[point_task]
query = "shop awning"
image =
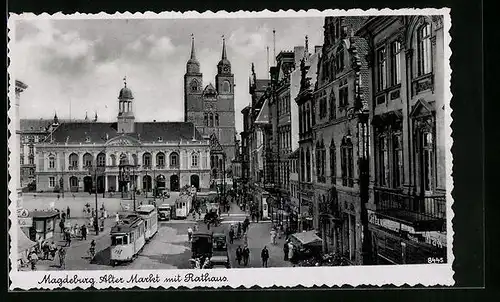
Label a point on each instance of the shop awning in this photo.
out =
(23, 242)
(308, 237)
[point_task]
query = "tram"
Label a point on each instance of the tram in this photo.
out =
(127, 239)
(182, 206)
(149, 213)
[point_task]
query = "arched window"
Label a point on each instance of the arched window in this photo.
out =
(226, 87)
(428, 160)
(73, 161)
(424, 49)
(87, 160)
(194, 159)
(174, 160)
(101, 160)
(194, 85)
(347, 162)
(333, 105)
(216, 120)
(146, 159)
(211, 117)
(52, 161)
(333, 162)
(113, 160)
(160, 159)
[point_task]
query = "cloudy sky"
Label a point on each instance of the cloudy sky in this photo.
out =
(80, 64)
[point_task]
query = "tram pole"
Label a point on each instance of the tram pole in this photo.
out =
(135, 185)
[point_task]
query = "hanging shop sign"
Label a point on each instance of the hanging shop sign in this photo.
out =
(433, 238)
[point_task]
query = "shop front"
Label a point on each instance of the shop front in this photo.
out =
(396, 242)
(43, 227)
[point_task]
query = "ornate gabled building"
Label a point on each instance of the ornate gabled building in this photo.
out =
(338, 140)
(211, 108)
(162, 155)
(407, 203)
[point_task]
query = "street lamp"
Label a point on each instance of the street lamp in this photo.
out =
(124, 175)
(94, 171)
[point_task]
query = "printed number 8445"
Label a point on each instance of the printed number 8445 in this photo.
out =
(435, 260)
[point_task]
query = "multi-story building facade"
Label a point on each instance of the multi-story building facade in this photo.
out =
(342, 76)
(211, 108)
(407, 208)
(19, 88)
(166, 155)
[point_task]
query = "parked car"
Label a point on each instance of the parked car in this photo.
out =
(164, 212)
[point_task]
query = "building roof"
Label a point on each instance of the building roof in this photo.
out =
(261, 84)
(263, 117)
(96, 132)
(35, 124)
(126, 225)
(43, 214)
(126, 93)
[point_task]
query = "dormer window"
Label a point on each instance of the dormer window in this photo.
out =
(87, 139)
(160, 139)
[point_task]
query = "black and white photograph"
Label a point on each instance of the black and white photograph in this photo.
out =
(228, 149)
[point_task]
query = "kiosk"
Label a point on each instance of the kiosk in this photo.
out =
(44, 223)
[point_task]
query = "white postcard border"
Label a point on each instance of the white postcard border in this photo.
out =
(398, 275)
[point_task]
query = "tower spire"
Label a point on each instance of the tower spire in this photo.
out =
(125, 81)
(193, 53)
(224, 55)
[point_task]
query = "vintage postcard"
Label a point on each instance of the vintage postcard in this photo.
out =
(230, 149)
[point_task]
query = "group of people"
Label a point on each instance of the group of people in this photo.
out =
(49, 252)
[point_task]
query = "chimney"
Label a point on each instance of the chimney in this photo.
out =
(317, 48)
(298, 54)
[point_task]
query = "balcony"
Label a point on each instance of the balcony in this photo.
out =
(424, 213)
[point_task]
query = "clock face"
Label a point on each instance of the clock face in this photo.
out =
(226, 69)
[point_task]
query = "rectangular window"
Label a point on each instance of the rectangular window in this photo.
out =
(52, 163)
(52, 182)
(396, 62)
(347, 165)
(381, 69)
(398, 161)
(31, 150)
(333, 167)
(22, 159)
(383, 161)
(31, 160)
(322, 108)
(428, 160)
(343, 96)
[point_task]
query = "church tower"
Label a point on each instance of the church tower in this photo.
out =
(126, 117)
(224, 82)
(193, 81)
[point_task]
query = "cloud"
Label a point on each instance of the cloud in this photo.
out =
(81, 63)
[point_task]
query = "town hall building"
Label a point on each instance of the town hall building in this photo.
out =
(81, 156)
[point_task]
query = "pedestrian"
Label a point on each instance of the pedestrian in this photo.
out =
(291, 253)
(273, 236)
(61, 226)
(58, 197)
(68, 212)
(239, 253)
(285, 250)
(63, 216)
(117, 217)
(246, 255)
(76, 229)
(190, 233)
(45, 250)
(62, 257)
(33, 259)
(238, 234)
(231, 235)
(53, 250)
(68, 237)
(84, 232)
(265, 256)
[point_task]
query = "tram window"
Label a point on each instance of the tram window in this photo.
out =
(117, 240)
(132, 237)
(125, 241)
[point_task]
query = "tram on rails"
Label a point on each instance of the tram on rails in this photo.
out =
(149, 214)
(127, 239)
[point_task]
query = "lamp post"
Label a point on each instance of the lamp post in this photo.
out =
(124, 173)
(94, 171)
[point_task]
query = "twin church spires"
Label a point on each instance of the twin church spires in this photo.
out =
(193, 65)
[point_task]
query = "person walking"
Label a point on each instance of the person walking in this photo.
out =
(190, 233)
(285, 251)
(61, 226)
(53, 250)
(33, 259)
(273, 236)
(239, 253)
(246, 255)
(231, 235)
(68, 237)
(265, 256)
(84, 232)
(68, 212)
(238, 233)
(45, 250)
(62, 257)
